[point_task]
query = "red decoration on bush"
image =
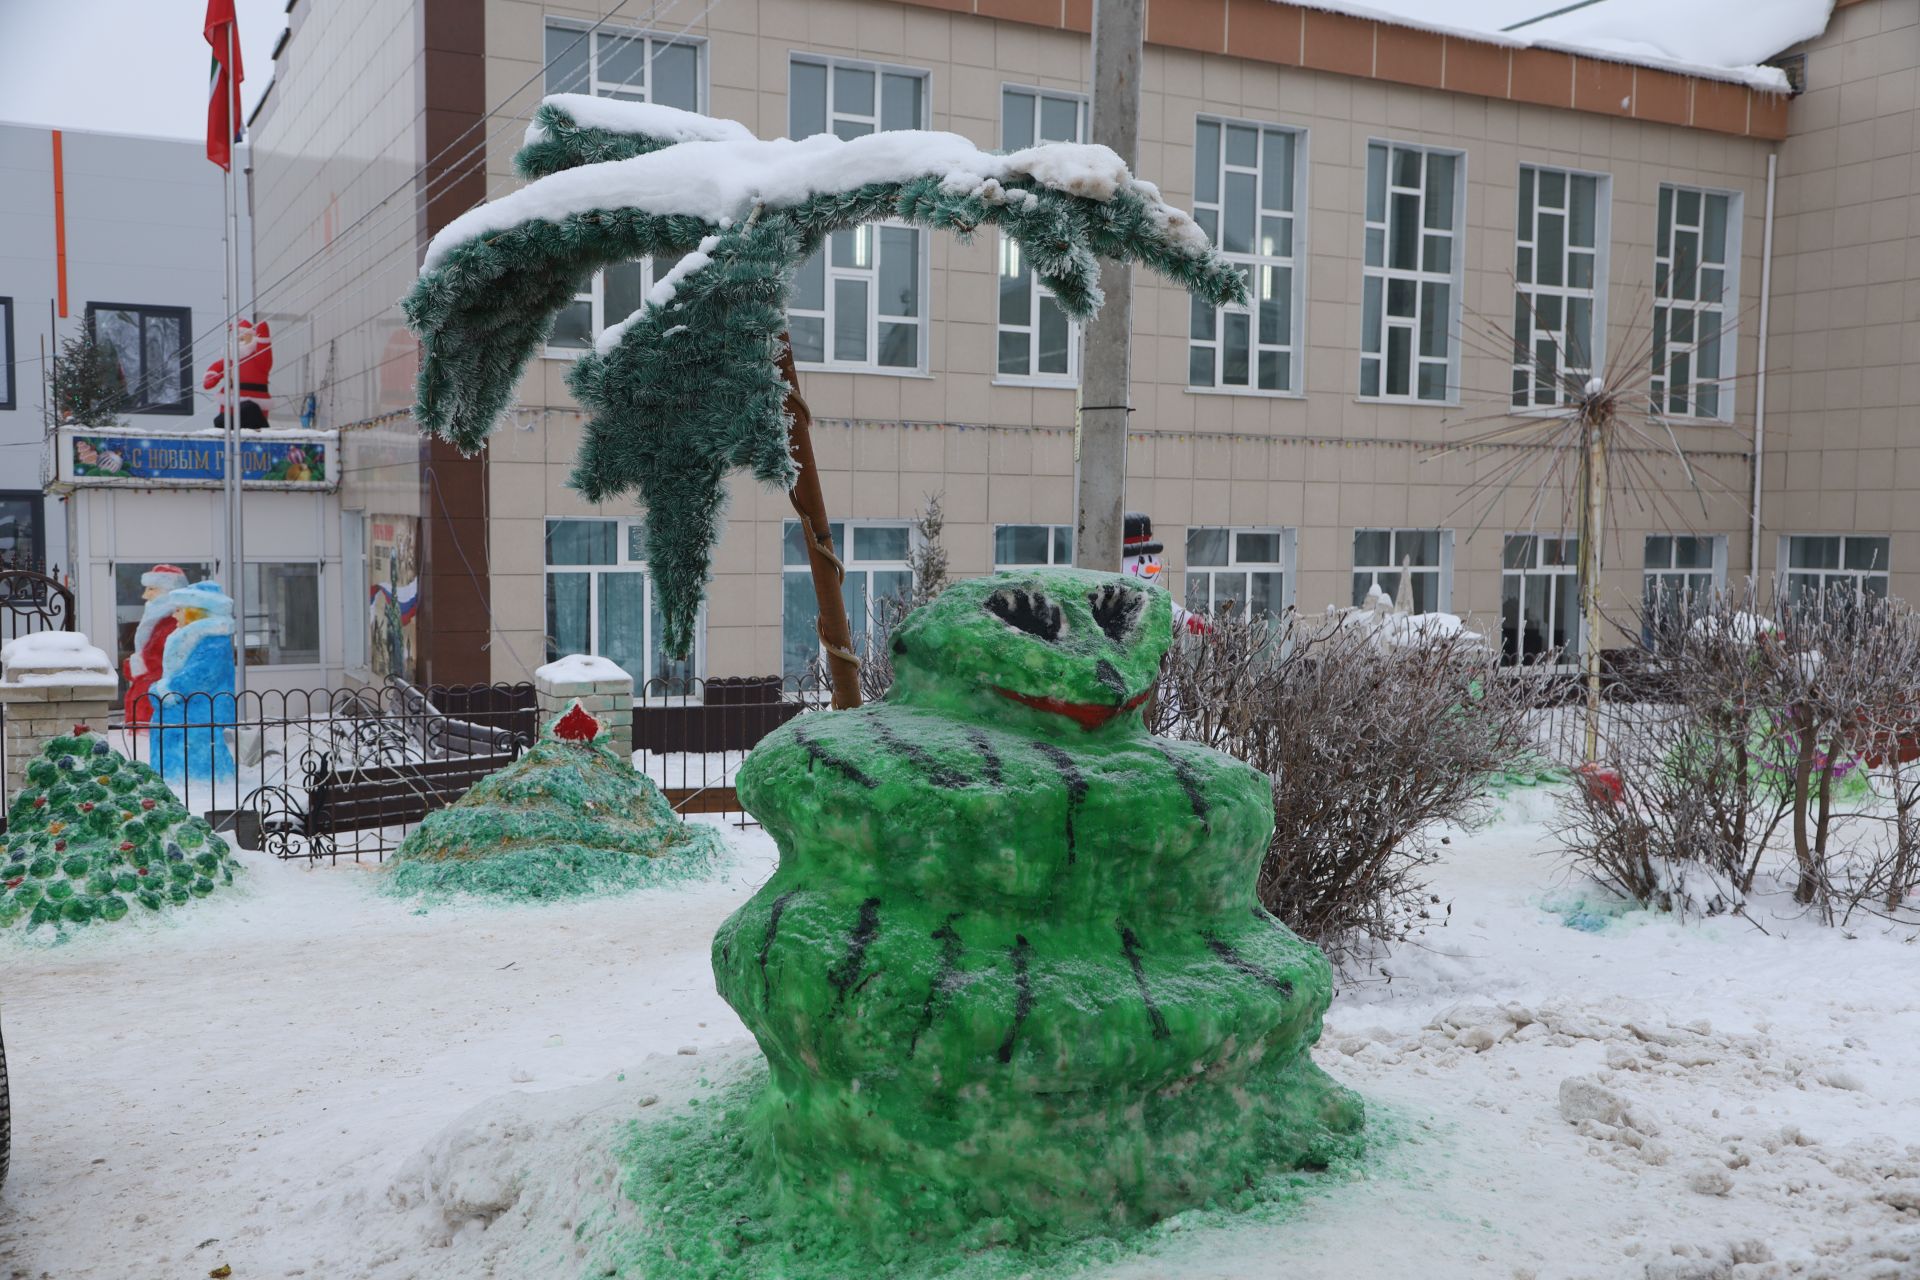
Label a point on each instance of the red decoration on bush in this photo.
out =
(80, 729)
(577, 726)
(1602, 783)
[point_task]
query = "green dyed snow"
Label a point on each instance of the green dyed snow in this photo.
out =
(96, 837)
(1010, 976)
(564, 820)
(706, 1211)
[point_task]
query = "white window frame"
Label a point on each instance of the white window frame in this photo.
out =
(1658, 580)
(1784, 572)
(1528, 331)
(1259, 265)
(1561, 579)
(844, 545)
(353, 590)
(594, 295)
(1420, 279)
(630, 530)
(1666, 352)
(870, 275)
(1059, 546)
(1443, 592)
(1008, 264)
(1284, 566)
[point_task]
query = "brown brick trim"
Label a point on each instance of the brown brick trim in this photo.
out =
(455, 587)
(1294, 35)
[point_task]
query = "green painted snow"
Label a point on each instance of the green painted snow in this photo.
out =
(706, 1212)
(564, 820)
(1010, 976)
(95, 837)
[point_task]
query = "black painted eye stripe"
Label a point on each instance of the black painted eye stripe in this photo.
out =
(1028, 611)
(1115, 609)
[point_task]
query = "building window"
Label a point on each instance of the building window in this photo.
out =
(1838, 569)
(1539, 599)
(633, 67)
(1036, 339)
(153, 347)
(1244, 573)
(1032, 546)
(878, 586)
(283, 615)
(1560, 273)
(1410, 295)
(1245, 181)
(1695, 272)
(1683, 571)
(8, 383)
(21, 544)
(1380, 556)
(859, 303)
(600, 601)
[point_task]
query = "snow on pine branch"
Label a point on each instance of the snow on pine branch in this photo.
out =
(722, 182)
(647, 119)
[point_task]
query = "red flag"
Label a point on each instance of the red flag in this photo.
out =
(223, 95)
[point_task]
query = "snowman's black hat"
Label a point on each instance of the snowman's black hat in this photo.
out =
(1137, 530)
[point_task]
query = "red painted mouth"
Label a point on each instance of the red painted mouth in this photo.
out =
(1088, 715)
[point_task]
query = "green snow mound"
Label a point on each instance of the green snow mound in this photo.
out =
(566, 819)
(95, 837)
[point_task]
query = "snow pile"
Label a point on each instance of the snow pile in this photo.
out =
(1393, 630)
(1743, 628)
(55, 657)
(581, 668)
(1717, 39)
(726, 180)
(652, 119)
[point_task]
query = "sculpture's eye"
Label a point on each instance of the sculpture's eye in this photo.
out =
(1116, 609)
(1028, 611)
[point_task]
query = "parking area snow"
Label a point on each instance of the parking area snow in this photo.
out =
(332, 1084)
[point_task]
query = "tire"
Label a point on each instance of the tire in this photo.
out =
(6, 1117)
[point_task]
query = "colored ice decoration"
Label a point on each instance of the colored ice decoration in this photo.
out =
(1011, 976)
(193, 698)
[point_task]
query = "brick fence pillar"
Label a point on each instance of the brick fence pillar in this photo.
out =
(51, 681)
(597, 684)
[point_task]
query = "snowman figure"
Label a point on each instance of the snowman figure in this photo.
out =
(1141, 558)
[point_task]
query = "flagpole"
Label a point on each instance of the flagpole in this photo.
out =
(236, 497)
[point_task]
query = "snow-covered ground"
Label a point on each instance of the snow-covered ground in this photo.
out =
(315, 1081)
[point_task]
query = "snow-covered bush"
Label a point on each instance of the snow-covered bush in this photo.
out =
(1371, 747)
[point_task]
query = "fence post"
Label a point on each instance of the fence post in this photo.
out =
(50, 681)
(598, 684)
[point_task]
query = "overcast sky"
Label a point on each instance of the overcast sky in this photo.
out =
(124, 66)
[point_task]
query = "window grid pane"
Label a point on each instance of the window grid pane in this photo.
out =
(1381, 556)
(1539, 598)
(1036, 340)
(1411, 197)
(1559, 277)
(875, 555)
(1241, 572)
(1245, 200)
(860, 306)
(1695, 273)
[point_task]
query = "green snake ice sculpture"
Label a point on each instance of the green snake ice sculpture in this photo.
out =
(1010, 977)
(686, 389)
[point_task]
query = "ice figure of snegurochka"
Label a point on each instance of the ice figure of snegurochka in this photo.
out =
(194, 695)
(1011, 977)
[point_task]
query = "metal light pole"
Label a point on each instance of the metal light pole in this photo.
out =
(1100, 445)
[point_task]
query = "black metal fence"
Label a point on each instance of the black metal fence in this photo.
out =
(315, 774)
(691, 736)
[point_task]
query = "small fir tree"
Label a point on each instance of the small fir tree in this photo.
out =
(87, 389)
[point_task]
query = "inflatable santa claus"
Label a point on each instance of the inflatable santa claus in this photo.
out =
(150, 638)
(256, 366)
(1141, 558)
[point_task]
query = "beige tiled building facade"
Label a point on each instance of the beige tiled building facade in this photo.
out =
(1405, 202)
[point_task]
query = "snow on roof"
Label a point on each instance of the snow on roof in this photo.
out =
(1717, 39)
(652, 119)
(721, 182)
(60, 657)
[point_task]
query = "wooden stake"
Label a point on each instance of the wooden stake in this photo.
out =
(810, 504)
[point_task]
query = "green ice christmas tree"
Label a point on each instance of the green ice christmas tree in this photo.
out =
(569, 817)
(95, 837)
